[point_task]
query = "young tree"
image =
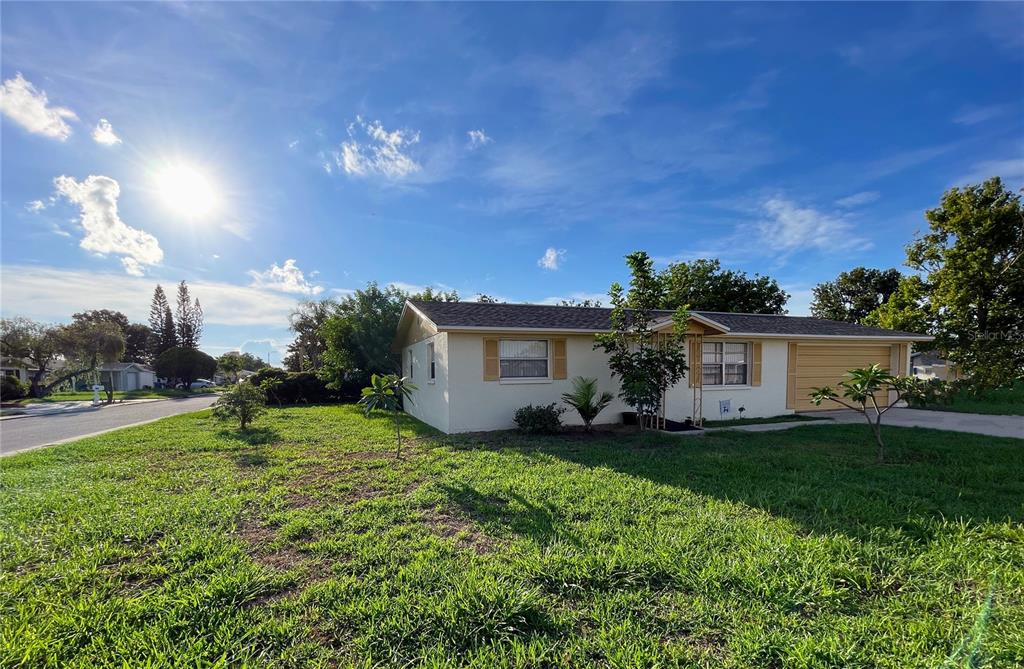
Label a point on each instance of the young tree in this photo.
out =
(971, 257)
(161, 324)
(861, 393)
(647, 365)
(244, 402)
(387, 393)
(586, 401)
(189, 319)
(854, 294)
(703, 285)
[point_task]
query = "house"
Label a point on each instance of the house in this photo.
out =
(127, 375)
(16, 367)
(931, 365)
(475, 363)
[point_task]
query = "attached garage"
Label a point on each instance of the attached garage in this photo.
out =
(816, 364)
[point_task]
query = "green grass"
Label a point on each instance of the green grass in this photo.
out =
(999, 401)
(305, 543)
(119, 395)
(732, 422)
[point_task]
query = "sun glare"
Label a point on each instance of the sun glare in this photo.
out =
(186, 191)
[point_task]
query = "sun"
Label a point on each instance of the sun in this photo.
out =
(187, 191)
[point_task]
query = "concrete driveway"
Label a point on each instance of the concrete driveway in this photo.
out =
(994, 426)
(27, 432)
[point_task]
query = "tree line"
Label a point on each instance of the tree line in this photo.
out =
(965, 286)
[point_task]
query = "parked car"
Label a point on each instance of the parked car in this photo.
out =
(197, 384)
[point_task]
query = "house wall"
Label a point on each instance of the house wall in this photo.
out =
(478, 405)
(430, 401)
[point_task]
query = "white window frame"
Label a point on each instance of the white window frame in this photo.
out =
(512, 380)
(747, 356)
(431, 363)
(411, 359)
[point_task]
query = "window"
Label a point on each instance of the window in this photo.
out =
(725, 363)
(410, 363)
(523, 358)
(431, 363)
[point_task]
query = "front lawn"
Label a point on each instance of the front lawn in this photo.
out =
(1007, 401)
(787, 418)
(305, 543)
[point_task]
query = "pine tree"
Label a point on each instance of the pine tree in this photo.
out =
(161, 323)
(189, 320)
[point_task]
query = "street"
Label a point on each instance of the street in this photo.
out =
(26, 433)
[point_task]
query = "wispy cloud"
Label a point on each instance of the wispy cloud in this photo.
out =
(286, 278)
(1011, 170)
(30, 108)
(105, 232)
(478, 138)
(787, 227)
(373, 150)
(104, 133)
(972, 115)
(552, 259)
(858, 199)
(53, 294)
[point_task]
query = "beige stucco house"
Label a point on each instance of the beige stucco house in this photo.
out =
(475, 363)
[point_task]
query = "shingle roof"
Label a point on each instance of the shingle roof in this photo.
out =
(447, 315)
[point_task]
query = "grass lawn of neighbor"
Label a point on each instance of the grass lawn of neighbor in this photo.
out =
(1007, 401)
(119, 395)
(304, 542)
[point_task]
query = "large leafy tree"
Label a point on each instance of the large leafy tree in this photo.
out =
(306, 352)
(646, 365)
(704, 286)
(163, 334)
(233, 362)
(82, 346)
(184, 365)
(358, 334)
(906, 309)
(188, 320)
(136, 335)
(854, 294)
(972, 265)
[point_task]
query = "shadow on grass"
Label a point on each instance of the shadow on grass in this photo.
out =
(825, 477)
(253, 436)
(514, 513)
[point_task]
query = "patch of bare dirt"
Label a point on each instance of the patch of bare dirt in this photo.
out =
(462, 531)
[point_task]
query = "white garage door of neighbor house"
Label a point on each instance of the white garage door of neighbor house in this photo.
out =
(132, 382)
(819, 365)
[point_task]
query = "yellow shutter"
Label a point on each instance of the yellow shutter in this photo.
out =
(492, 366)
(791, 377)
(755, 364)
(695, 361)
(559, 359)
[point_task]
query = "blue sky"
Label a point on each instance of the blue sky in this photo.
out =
(271, 153)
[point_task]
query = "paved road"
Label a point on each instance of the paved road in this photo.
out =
(22, 434)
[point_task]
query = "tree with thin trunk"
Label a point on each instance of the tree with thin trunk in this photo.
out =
(189, 319)
(161, 324)
(861, 392)
(387, 393)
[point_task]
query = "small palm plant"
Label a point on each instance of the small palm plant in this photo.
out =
(387, 393)
(586, 401)
(862, 391)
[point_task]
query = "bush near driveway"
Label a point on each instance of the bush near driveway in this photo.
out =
(303, 542)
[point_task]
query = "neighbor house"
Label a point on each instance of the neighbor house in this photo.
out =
(474, 364)
(127, 375)
(931, 365)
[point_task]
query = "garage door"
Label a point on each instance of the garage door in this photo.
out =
(815, 365)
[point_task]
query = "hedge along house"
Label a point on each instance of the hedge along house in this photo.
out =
(475, 363)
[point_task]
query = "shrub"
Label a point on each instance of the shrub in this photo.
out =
(11, 388)
(291, 387)
(540, 419)
(243, 402)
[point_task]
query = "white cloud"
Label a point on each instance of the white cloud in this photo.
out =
(53, 294)
(31, 109)
(551, 259)
(790, 227)
(132, 266)
(104, 133)
(858, 199)
(105, 232)
(478, 138)
(372, 150)
(287, 278)
(1011, 170)
(35, 206)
